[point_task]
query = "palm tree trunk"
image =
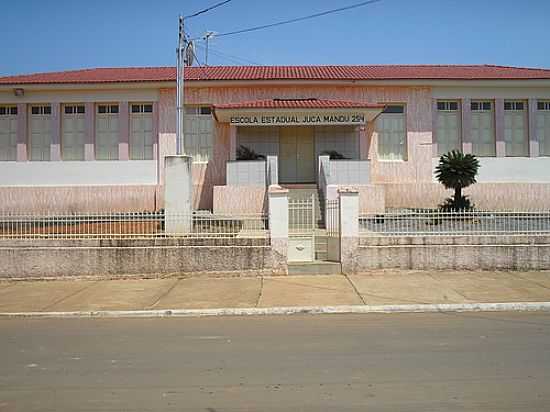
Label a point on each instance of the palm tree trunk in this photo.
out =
(458, 194)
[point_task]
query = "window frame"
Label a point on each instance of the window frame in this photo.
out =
(44, 110)
(112, 110)
(9, 112)
(197, 111)
(512, 106)
(446, 110)
(482, 103)
(387, 111)
(143, 110)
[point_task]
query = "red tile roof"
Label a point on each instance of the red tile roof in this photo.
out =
(310, 103)
(377, 72)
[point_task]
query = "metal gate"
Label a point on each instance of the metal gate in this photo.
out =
(332, 225)
(302, 223)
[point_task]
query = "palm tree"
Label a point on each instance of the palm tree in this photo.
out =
(457, 171)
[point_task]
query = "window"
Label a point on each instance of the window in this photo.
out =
(515, 128)
(543, 127)
(73, 133)
(198, 133)
(8, 133)
(392, 133)
(40, 132)
(448, 127)
(106, 132)
(483, 129)
(141, 131)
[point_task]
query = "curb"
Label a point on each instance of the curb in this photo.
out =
(293, 310)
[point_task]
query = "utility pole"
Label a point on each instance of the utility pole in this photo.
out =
(181, 60)
(206, 37)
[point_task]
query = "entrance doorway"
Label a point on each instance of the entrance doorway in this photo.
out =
(296, 154)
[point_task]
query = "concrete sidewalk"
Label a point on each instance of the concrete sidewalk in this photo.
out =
(377, 288)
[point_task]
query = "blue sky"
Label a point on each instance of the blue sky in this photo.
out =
(61, 35)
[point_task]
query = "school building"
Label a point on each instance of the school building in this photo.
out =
(95, 140)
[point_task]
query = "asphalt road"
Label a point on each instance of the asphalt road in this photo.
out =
(405, 362)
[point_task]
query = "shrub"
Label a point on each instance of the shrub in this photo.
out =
(457, 171)
(245, 153)
(334, 155)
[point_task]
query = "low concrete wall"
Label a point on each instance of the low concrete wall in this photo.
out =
(238, 200)
(452, 252)
(100, 258)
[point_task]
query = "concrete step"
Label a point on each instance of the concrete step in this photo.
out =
(314, 268)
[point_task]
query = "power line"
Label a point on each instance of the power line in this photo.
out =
(221, 3)
(297, 19)
(230, 57)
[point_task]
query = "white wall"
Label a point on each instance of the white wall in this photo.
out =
(246, 173)
(66, 173)
(512, 169)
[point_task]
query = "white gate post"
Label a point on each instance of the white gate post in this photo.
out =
(349, 228)
(178, 194)
(278, 227)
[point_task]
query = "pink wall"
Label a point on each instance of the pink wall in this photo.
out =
(418, 101)
(82, 199)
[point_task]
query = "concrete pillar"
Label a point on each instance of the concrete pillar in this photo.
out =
(232, 142)
(534, 150)
(55, 145)
(467, 146)
(278, 227)
(349, 228)
(499, 128)
(178, 194)
(124, 131)
(272, 172)
(89, 142)
(22, 132)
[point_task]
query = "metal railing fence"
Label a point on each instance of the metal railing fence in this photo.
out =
(301, 215)
(141, 225)
(332, 218)
(437, 223)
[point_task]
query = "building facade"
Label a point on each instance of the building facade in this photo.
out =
(95, 140)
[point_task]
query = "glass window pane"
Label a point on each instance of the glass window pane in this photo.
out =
(487, 106)
(35, 110)
(2, 111)
(47, 110)
(80, 109)
(453, 106)
(507, 106)
(114, 108)
(206, 110)
(440, 105)
(474, 106)
(102, 109)
(148, 108)
(394, 109)
(540, 105)
(68, 109)
(13, 110)
(519, 106)
(135, 108)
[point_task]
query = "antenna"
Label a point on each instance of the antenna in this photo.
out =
(207, 37)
